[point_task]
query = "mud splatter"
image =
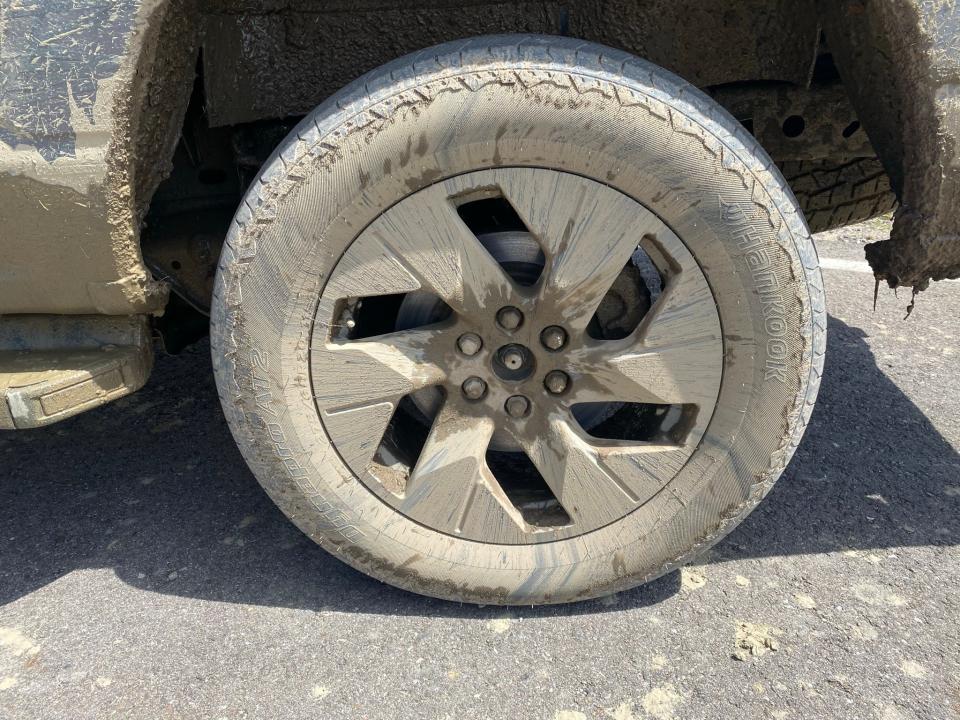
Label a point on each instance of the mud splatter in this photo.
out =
(754, 640)
(912, 669)
(405, 155)
(658, 662)
(17, 643)
(805, 601)
(422, 145)
(501, 131)
(500, 625)
(892, 712)
(623, 711)
(864, 632)
(876, 595)
(690, 579)
(662, 702)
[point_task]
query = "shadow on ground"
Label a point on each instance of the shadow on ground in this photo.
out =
(154, 488)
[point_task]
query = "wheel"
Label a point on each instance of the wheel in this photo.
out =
(518, 320)
(834, 193)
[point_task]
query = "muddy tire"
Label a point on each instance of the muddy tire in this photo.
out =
(834, 193)
(431, 246)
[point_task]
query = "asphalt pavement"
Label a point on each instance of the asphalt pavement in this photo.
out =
(144, 574)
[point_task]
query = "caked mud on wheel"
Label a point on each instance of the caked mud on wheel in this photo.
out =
(511, 360)
(518, 320)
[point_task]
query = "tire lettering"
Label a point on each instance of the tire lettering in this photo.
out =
(750, 241)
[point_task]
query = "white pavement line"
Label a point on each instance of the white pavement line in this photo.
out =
(857, 266)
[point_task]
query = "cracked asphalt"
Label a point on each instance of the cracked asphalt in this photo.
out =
(144, 574)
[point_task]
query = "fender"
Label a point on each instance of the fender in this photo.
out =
(90, 114)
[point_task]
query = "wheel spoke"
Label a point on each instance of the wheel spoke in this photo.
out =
(451, 488)
(381, 369)
(686, 313)
(358, 432)
(588, 233)
(426, 235)
(673, 375)
(588, 479)
(674, 357)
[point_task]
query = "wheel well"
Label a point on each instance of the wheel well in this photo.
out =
(766, 61)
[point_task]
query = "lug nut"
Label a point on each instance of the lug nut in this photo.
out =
(512, 358)
(557, 381)
(553, 337)
(509, 317)
(469, 344)
(474, 388)
(517, 406)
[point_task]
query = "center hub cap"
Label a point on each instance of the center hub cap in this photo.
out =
(513, 363)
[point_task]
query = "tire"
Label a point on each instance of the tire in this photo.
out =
(835, 193)
(510, 112)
